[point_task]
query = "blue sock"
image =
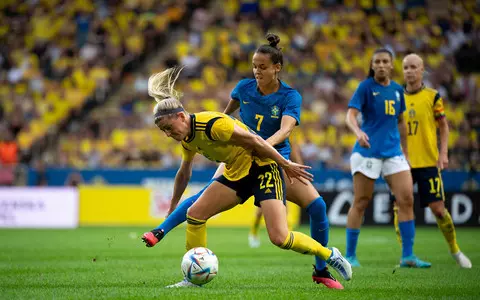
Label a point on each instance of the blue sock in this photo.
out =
(407, 232)
(179, 215)
(319, 226)
(352, 240)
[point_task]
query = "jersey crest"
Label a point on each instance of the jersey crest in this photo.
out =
(275, 112)
(411, 113)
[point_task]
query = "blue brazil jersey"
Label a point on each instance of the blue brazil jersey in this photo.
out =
(263, 114)
(380, 107)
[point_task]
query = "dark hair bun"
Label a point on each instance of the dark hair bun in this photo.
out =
(273, 40)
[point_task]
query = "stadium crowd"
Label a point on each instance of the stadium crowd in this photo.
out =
(59, 62)
(60, 58)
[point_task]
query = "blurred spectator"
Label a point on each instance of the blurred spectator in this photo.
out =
(58, 58)
(8, 149)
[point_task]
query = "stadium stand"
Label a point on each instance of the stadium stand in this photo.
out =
(61, 58)
(327, 47)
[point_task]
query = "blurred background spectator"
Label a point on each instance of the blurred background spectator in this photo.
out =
(74, 73)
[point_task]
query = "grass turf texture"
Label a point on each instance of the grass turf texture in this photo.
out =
(101, 263)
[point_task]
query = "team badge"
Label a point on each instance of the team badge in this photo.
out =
(398, 96)
(275, 112)
(411, 113)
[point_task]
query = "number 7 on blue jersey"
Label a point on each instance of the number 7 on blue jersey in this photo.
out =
(260, 119)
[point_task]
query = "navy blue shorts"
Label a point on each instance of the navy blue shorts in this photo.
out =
(262, 182)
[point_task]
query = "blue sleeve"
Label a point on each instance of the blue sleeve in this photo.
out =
(235, 95)
(294, 106)
(358, 98)
(402, 102)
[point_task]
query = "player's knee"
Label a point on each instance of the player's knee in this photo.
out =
(405, 201)
(193, 213)
(439, 214)
(361, 203)
(277, 238)
(438, 211)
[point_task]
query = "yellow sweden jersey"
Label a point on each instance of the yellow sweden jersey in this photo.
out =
(423, 109)
(210, 136)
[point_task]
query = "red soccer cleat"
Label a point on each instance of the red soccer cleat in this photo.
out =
(324, 277)
(151, 238)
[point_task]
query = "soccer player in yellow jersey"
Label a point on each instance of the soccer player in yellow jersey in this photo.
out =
(424, 113)
(251, 169)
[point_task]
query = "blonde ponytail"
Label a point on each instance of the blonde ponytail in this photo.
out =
(161, 85)
(161, 88)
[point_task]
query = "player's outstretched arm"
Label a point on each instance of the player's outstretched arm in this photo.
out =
(286, 128)
(257, 144)
(181, 181)
(352, 123)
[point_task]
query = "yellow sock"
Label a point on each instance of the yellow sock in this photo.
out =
(304, 244)
(395, 223)
(290, 224)
(196, 233)
(255, 225)
(448, 229)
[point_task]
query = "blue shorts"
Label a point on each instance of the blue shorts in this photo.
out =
(262, 182)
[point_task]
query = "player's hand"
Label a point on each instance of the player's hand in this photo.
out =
(294, 170)
(363, 139)
(442, 161)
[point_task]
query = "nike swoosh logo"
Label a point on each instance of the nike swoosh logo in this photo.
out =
(245, 102)
(376, 93)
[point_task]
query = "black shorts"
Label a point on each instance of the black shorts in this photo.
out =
(262, 182)
(430, 185)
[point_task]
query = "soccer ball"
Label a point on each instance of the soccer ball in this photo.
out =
(199, 265)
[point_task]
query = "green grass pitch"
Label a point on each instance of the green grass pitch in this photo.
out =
(112, 263)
